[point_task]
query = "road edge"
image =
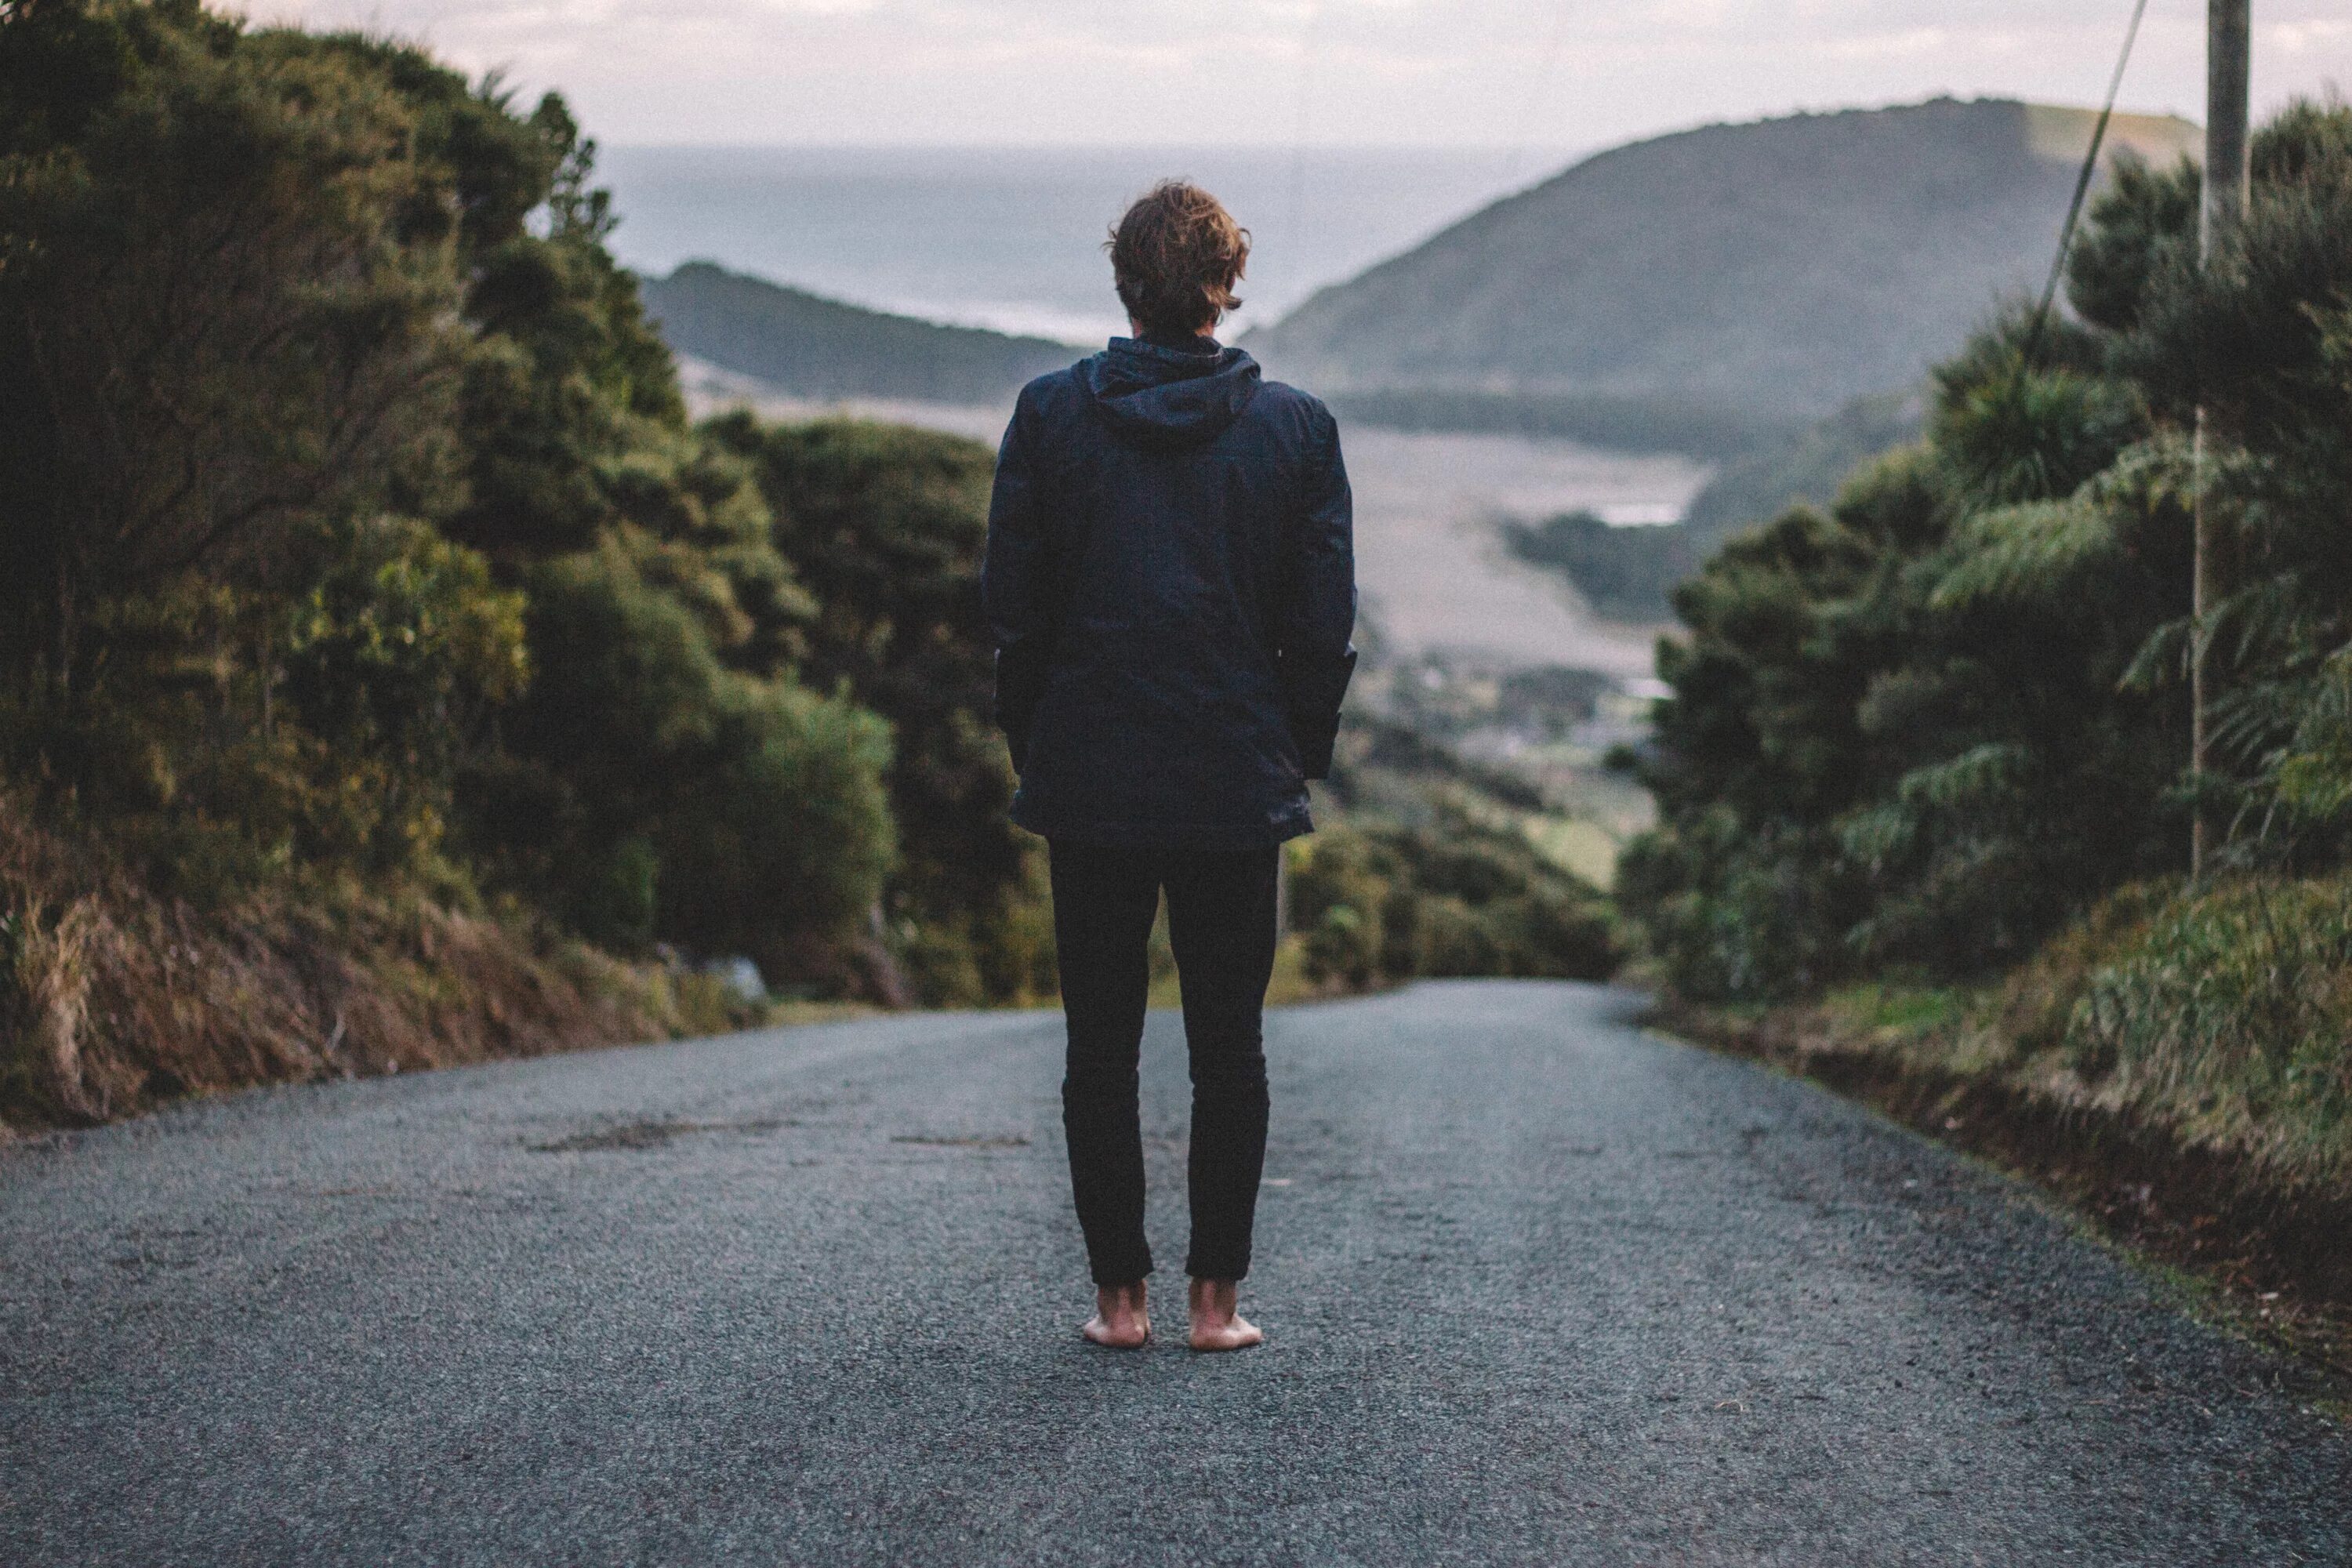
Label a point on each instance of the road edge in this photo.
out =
(2259, 1262)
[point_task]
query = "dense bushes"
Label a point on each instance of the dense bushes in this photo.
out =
(672, 796)
(1916, 732)
(352, 533)
(1383, 901)
(883, 527)
(2203, 1020)
(114, 999)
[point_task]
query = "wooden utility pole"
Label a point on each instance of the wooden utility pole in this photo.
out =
(2227, 66)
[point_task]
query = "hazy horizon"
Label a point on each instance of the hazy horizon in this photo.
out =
(1536, 162)
(1009, 238)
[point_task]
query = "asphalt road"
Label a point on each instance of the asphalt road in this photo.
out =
(1538, 1288)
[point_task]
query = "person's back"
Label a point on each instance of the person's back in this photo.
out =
(1169, 577)
(1197, 518)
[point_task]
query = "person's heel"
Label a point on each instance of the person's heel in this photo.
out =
(1122, 1319)
(1217, 1322)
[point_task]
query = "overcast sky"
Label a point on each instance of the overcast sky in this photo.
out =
(1499, 73)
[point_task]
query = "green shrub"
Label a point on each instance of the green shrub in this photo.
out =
(883, 527)
(1379, 902)
(1926, 730)
(2228, 1011)
(752, 811)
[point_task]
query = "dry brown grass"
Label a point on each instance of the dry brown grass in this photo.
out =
(114, 1001)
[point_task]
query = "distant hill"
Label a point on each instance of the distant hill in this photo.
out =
(1629, 574)
(810, 346)
(1772, 270)
(1707, 430)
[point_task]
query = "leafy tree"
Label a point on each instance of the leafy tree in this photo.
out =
(350, 521)
(884, 526)
(2143, 227)
(2263, 337)
(1926, 728)
(650, 791)
(224, 324)
(401, 653)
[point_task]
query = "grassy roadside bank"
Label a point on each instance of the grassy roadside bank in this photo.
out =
(1925, 779)
(115, 1000)
(2235, 1176)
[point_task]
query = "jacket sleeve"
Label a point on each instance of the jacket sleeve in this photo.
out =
(1017, 584)
(1318, 617)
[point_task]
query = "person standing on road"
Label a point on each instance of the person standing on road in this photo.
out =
(1171, 582)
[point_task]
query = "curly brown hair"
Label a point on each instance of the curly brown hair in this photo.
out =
(1176, 257)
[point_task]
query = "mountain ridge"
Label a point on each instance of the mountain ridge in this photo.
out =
(809, 345)
(1781, 266)
(1713, 291)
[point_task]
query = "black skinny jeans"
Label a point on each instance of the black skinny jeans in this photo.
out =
(1221, 920)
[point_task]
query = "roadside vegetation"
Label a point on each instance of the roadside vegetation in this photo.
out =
(1924, 769)
(393, 673)
(367, 598)
(1430, 866)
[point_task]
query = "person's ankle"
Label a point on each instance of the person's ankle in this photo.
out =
(1217, 1321)
(1122, 1317)
(1208, 1296)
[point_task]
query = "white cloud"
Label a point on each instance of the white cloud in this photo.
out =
(2306, 37)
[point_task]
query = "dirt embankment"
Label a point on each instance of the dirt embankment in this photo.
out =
(113, 1000)
(2276, 1255)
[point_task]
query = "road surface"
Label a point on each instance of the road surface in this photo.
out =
(1539, 1289)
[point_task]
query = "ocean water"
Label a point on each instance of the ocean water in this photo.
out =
(1012, 237)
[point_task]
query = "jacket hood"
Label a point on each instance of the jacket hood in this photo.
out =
(1167, 396)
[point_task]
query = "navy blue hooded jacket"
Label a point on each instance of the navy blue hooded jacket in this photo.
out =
(1170, 580)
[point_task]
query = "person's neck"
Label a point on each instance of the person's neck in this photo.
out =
(1198, 342)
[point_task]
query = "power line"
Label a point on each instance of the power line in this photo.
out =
(2082, 188)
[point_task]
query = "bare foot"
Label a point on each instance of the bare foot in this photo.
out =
(1122, 1319)
(1217, 1321)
